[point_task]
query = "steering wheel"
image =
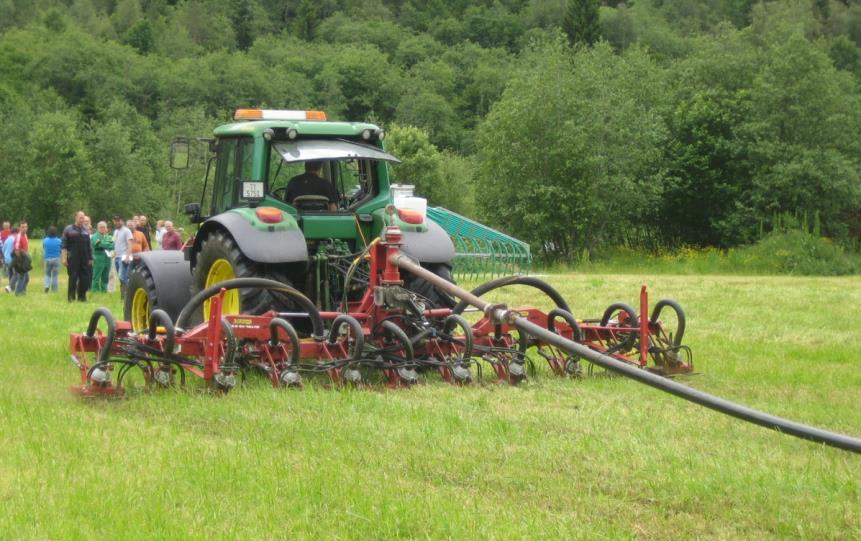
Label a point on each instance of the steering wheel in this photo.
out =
(311, 202)
(280, 193)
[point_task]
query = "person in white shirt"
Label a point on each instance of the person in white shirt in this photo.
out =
(159, 232)
(122, 236)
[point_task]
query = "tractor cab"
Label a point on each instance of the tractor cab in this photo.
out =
(247, 228)
(259, 153)
(349, 167)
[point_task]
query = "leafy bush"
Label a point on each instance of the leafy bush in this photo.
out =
(796, 252)
(784, 252)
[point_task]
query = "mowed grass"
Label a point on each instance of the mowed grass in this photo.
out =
(601, 458)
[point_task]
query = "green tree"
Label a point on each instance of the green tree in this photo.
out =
(805, 131)
(444, 179)
(762, 125)
(207, 23)
(581, 22)
(59, 172)
(709, 169)
(570, 157)
(125, 15)
(140, 36)
(242, 24)
(342, 28)
(432, 112)
(128, 172)
(617, 27)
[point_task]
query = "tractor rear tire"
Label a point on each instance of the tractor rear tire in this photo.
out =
(221, 259)
(437, 297)
(140, 299)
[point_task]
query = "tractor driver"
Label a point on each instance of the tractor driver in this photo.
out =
(311, 182)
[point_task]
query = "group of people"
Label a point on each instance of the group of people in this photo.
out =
(16, 257)
(87, 254)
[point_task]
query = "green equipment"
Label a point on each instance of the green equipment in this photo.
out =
(479, 250)
(253, 222)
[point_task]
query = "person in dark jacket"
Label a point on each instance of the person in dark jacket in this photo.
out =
(77, 257)
(311, 182)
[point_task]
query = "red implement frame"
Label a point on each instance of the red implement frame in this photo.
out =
(202, 350)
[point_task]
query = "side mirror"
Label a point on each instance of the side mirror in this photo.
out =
(193, 212)
(179, 151)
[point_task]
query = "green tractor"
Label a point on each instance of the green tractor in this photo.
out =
(247, 228)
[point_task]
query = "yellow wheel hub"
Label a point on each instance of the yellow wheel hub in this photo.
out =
(140, 310)
(219, 271)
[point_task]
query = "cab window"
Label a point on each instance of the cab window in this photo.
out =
(235, 158)
(354, 179)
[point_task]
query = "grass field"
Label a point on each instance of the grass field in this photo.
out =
(602, 458)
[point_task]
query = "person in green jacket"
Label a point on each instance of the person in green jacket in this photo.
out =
(103, 245)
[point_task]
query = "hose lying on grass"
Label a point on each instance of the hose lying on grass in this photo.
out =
(502, 314)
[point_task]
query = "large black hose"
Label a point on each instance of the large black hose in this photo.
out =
(254, 283)
(799, 430)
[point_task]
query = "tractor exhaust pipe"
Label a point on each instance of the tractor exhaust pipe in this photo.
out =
(504, 315)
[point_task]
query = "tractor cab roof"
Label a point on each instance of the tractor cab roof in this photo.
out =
(303, 150)
(255, 122)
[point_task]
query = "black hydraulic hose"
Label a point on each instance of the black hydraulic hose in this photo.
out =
(398, 334)
(633, 321)
(627, 308)
(160, 316)
(680, 314)
(278, 323)
(779, 424)
(569, 318)
(454, 320)
(254, 283)
(486, 287)
(103, 313)
(230, 345)
(355, 328)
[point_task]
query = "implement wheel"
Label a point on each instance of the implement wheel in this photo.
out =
(220, 259)
(140, 298)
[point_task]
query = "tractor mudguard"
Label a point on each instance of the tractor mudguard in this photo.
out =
(258, 244)
(171, 275)
(431, 246)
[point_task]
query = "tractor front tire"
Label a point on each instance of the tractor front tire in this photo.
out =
(140, 299)
(221, 259)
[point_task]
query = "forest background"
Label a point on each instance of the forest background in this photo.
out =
(576, 125)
